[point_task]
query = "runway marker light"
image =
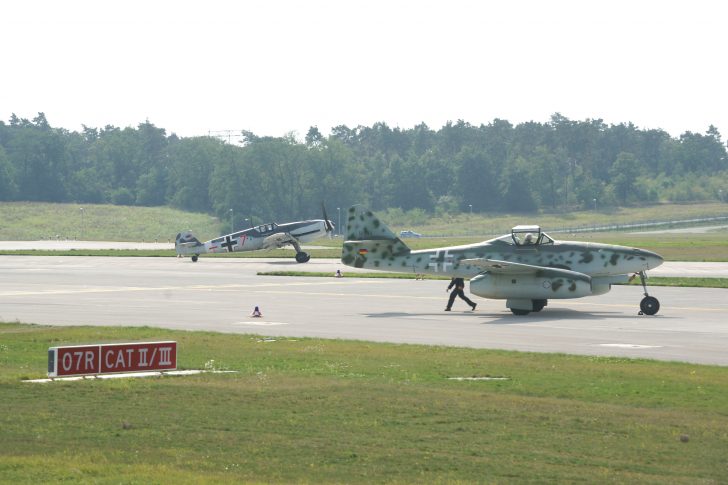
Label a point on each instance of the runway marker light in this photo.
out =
(256, 312)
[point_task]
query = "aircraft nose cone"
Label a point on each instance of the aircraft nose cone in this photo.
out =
(653, 260)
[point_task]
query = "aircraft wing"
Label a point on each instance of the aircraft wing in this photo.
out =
(278, 240)
(509, 268)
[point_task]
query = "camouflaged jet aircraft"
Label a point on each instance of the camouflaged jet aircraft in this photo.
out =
(526, 267)
(264, 236)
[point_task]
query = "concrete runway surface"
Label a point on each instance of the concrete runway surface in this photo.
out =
(219, 294)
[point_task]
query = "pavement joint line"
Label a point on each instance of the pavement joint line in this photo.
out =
(119, 289)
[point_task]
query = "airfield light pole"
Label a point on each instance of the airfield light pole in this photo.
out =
(82, 211)
(338, 228)
(595, 204)
(232, 221)
(471, 209)
(720, 194)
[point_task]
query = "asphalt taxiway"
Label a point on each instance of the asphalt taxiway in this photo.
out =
(218, 294)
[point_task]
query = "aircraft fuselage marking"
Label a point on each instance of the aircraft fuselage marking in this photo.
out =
(445, 261)
(229, 243)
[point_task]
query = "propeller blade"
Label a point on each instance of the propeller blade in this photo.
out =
(327, 223)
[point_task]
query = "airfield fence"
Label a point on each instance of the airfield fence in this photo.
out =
(631, 227)
(642, 225)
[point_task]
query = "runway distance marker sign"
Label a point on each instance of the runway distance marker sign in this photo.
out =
(79, 360)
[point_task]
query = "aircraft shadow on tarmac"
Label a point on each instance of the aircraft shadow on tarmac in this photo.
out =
(503, 318)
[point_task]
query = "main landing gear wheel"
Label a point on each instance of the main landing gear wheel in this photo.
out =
(649, 304)
(302, 257)
(516, 311)
(194, 258)
(538, 305)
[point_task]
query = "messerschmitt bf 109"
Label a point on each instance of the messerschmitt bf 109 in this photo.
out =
(264, 236)
(526, 267)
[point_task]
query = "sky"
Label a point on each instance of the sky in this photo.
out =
(280, 67)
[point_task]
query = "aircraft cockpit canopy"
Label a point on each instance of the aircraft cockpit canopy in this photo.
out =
(523, 236)
(266, 228)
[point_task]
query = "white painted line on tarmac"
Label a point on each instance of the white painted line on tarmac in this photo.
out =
(362, 295)
(479, 378)
(261, 323)
(631, 346)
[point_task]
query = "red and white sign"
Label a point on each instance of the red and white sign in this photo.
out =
(111, 358)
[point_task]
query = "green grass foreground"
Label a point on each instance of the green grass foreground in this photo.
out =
(323, 411)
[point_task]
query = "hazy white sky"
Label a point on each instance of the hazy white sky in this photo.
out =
(273, 67)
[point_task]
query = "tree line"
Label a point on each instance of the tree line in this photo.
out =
(558, 165)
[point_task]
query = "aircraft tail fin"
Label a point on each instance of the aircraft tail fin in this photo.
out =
(187, 243)
(369, 241)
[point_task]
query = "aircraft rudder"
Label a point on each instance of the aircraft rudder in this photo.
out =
(369, 242)
(361, 224)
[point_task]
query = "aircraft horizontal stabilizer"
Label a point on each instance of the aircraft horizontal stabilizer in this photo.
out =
(509, 268)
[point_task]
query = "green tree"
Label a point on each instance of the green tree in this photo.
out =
(8, 187)
(37, 153)
(623, 175)
(190, 165)
(517, 189)
(477, 182)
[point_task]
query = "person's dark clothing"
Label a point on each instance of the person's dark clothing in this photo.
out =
(459, 285)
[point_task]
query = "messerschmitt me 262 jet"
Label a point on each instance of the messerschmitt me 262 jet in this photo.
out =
(526, 267)
(264, 236)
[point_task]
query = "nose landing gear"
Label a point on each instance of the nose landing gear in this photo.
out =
(649, 304)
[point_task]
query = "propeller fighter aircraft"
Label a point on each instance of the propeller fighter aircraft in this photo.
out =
(526, 267)
(264, 236)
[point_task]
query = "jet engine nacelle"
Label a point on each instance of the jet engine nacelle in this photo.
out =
(518, 286)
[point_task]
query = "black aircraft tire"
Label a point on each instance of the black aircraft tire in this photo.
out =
(538, 305)
(302, 257)
(516, 311)
(194, 258)
(649, 305)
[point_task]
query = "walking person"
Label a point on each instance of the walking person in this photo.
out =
(459, 285)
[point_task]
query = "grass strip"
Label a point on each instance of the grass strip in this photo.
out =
(275, 253)
(319, 274)
(335, 411)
